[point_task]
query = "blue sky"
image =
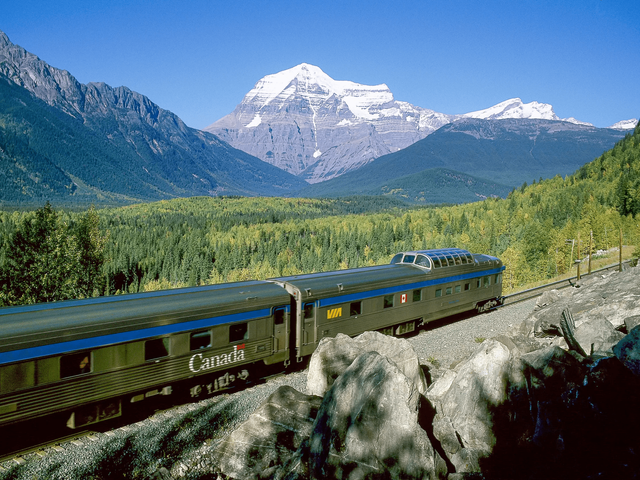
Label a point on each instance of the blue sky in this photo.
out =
(198, 58)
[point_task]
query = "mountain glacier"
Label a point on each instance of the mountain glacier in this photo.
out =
(306, 123)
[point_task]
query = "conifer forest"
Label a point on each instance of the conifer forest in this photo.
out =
(55, 254)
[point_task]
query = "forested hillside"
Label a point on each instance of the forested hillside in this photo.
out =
(208, 240)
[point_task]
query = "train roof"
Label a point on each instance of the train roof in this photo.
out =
(47, 323)
(342, 283)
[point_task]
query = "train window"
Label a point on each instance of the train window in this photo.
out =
(423, 261)
(478, 282)
(486, 281)
(450, 260)
(417, 295)
(408, 259)
(457, 260)
(436, 262)
(388, 301)
(449, 290)
(201, 339)
(467, 287)
(156, 348)
(458, 288)
(396, 259)
(278, 315)
(238, 332)
(355, 308)
(439, 292)
(308, 311)
(75, 364)
(498, 278)
(469, 258)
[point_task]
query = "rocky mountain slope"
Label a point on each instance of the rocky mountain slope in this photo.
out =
(60, 139)
(308, 124)
(318, 128)
(502, 152)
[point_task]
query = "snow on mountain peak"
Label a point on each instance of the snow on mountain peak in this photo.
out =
(514, 108)
(625, 124)
(311, 82)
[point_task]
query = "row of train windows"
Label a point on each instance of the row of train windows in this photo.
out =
(155, 349)
(21, 375)
(355, 308)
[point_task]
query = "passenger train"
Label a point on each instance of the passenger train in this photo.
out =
(87, 361)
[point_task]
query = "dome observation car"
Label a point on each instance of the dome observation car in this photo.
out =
(436, 258)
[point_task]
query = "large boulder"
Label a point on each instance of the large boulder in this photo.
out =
(270, 437)
(367, 427)
(614, 296)
(334, 355)
(597, 335)
(480, 383)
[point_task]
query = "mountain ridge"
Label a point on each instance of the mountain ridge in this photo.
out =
(318, 128)
(499, 152)
(161, 155)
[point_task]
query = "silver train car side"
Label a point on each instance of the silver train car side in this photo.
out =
(91, 359)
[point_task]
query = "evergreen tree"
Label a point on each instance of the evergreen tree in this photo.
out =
(47, 261)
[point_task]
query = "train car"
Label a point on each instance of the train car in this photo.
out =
(416, 288)
(89, 357)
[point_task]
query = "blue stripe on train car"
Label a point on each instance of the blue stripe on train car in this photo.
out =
(115, 338)
(327, 302)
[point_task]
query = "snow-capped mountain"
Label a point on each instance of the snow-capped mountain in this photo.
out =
(514, 108)
(313, 126)
(318, 128)
(625, 124)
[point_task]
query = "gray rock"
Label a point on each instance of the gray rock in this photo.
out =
(480, 384)
(597, 335)
(368, 427)
(614, 296)
(271, 435)
(334, 355)
(467, 460)
(547, 298)
(627, 350)
(443, 430)
(631, 322)
(161, 474)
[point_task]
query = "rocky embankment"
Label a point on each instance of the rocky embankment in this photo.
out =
(555, 397)
(549, 394)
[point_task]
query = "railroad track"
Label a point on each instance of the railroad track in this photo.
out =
(60, 444)
(557, 285)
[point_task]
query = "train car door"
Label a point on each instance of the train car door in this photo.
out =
(280, 321)
(309, 310)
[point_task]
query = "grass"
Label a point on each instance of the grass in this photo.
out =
(434, 361)
(597, 262)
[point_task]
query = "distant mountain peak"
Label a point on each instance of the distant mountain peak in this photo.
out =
(625, 124)
(515, 108)
(307, 123)
(310, 82)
